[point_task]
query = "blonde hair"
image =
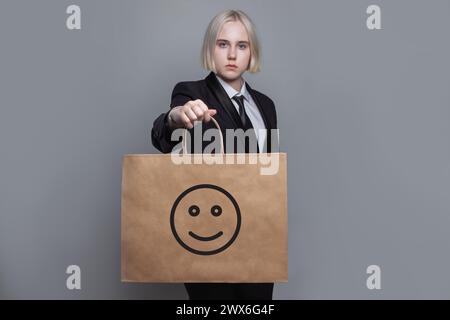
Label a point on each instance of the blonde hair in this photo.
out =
(214, 27)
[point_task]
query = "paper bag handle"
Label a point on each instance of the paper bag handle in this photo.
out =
(184, 144)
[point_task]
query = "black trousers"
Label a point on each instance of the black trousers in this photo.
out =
(229, 291)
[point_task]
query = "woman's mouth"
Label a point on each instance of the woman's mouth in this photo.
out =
(231, 66)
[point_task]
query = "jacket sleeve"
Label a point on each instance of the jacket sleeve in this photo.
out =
(161, 132)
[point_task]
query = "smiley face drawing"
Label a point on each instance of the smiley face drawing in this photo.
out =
(205, 219)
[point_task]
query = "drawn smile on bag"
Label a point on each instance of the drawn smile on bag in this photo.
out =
(200, 238)
(198, 211)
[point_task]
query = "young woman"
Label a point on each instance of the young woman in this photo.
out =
(230, 48)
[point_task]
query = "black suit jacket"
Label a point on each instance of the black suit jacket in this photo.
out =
(211, 92)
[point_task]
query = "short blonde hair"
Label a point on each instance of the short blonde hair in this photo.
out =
(214, 27)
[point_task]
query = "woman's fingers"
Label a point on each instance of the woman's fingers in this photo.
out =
(198, 112)
(191, 115)
(200, 109)
(209, 113)
(206, 112)
(206, 116)
(193, 111)
(186, 121)
(201, 105)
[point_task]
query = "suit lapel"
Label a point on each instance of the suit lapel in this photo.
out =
(223, 99)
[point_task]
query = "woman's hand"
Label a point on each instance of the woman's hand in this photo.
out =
(184, 116)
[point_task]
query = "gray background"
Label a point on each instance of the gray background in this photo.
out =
(364, 118)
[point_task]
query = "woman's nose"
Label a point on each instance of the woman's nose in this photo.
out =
(232, 53)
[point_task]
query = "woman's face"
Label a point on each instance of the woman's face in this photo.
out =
(232, 51)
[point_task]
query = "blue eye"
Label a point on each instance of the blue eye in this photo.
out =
(222, 44)
(243, 46)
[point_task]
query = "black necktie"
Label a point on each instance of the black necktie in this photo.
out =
(246, 123)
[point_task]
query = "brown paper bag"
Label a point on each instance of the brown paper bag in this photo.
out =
(203, 222)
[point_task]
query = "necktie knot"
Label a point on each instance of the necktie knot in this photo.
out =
(239, 99)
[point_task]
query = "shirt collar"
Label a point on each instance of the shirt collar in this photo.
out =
(231, 92)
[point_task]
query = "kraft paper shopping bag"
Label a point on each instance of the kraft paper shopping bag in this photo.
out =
(203, 222)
